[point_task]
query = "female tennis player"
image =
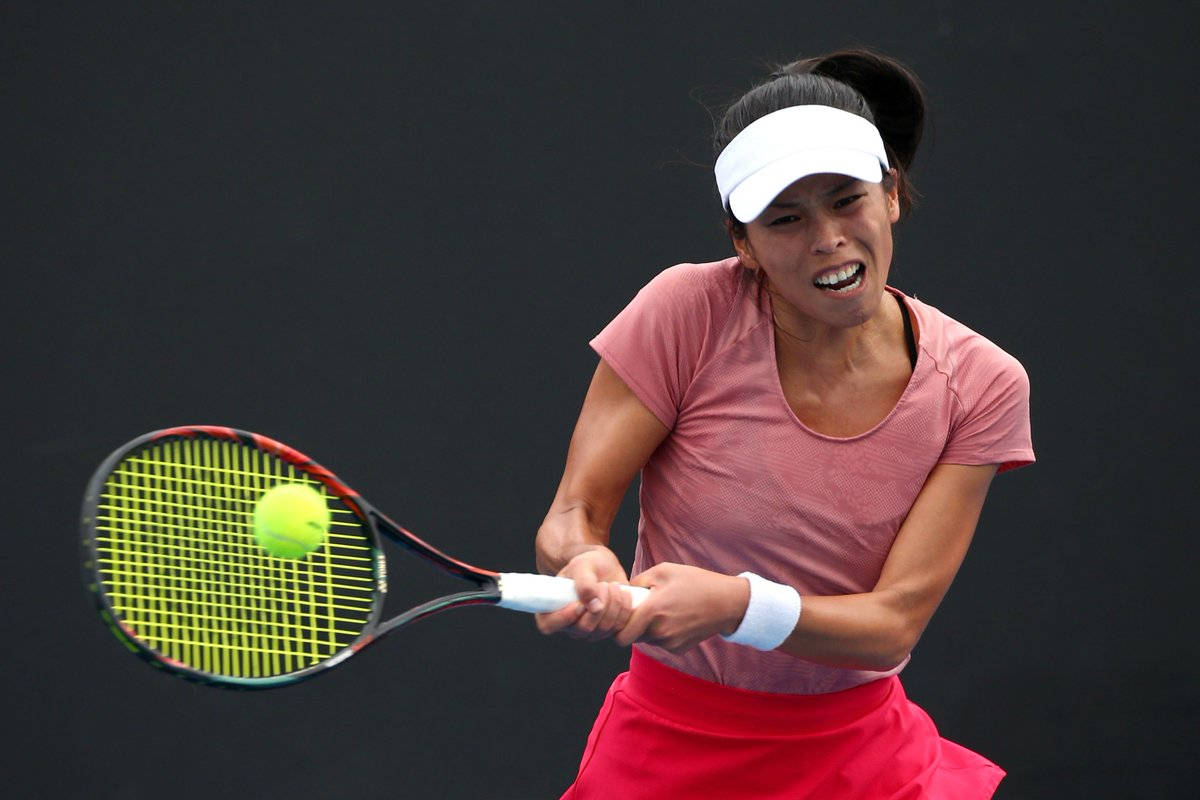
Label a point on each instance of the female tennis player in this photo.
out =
(815, 448)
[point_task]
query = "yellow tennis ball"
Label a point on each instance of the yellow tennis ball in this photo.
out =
(291, 520)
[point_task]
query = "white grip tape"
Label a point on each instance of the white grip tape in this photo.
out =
(536, 594)
(771, 615)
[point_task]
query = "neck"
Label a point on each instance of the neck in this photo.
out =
(825, 349)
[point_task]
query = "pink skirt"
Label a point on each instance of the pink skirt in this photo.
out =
(663, 734)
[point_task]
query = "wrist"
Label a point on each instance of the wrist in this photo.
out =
(554, 549)
(737, 600)
(771, 614)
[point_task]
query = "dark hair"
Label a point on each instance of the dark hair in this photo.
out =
(871, 85)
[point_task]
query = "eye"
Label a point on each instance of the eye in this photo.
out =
(845, 202)
(784, 220)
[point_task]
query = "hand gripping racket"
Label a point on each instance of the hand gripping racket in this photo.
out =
(172, 563)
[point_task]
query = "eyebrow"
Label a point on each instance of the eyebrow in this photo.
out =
(835, 190)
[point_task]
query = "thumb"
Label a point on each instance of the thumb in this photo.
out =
(647, 579)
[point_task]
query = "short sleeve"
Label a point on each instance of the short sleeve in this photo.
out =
(992, 425)
(657, 342)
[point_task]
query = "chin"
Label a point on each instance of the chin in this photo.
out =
(861, 309)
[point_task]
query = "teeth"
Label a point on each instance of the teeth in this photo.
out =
(837, 277)
(854, 285)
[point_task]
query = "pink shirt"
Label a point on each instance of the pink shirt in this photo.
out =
(741, 484)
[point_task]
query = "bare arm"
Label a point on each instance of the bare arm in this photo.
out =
(873, 630)
(878, 629)
(613, 439)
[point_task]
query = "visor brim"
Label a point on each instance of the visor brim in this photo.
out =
(752, 196)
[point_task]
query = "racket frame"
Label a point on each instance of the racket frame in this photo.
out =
(485, 584)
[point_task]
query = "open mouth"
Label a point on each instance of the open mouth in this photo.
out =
(843, 280)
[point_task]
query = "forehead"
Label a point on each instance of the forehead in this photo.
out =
(814, 187)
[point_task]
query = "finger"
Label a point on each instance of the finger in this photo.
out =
(555, 621)
(620, 608)
(635, 627)
(594, 621)
(589, 620)
(589, 589)
(616, 607)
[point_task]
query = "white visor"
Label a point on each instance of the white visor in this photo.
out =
(775, 151)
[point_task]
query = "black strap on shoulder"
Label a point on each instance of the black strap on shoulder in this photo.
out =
(909, 339)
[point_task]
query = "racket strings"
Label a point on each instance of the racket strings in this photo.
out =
(182, 570)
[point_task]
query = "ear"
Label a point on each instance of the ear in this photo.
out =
(892, 195)
(741, 244)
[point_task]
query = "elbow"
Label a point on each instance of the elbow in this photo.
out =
(894, 646)
(888, 660)
(876, 658)
(898, 629)
(884, 658)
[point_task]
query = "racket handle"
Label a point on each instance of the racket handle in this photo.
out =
(523, 591)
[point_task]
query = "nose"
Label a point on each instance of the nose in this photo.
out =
(827, 234)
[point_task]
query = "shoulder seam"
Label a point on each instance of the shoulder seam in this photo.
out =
(738, 295)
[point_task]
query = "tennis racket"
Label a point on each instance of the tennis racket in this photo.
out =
(170, 558)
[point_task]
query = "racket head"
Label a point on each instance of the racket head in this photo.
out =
(170, 559)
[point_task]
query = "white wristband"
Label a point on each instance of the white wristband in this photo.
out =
(771, 614)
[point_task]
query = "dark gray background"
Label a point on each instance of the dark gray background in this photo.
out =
(384, 235)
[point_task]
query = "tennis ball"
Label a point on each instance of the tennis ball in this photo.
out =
(291, 520)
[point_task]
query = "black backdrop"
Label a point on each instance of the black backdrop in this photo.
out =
(384, 234)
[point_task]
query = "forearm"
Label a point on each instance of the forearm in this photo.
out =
(878, 629)
(872, 631)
